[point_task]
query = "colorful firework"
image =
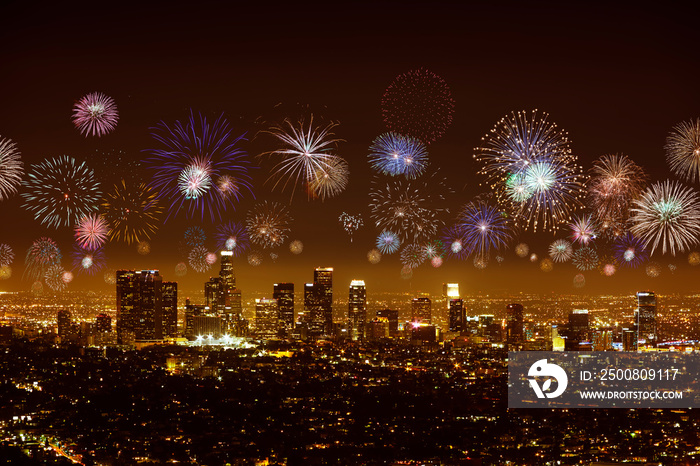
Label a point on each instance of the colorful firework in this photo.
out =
(436, 261)
(434, 249)
(198, 259)
(694, 258)
(453, 237)
(296, 247)
(255, 258)
(306, 158)
(11, 168)
(480, 262)
(196, 159)
(143, 248)
(522, 250)
(529, 165)
(615, 181)
(374, 256)
(60, 191)
(67, 276)
(484, 228)
(388, 242)
(395, 154)
(413, 255)
(579, 281)
(411, 209)
(132, 211)
(42, 254)
(630, 251)
(232, 236)
(7, 255)
(180, 269)
(546, 265)
(418, 103)
(88, 261)
(350, 223)
(683, 150)
(560, 250)
(667, 216)
(268, 224)
(329, 180)
(53, 276)
(500, 259)
(195, 236)
(653, 269)
(95, 114)
(608, 269)
(533, 257)
(91, 232)
(5, 272)
(110, 276)
(585, 258)
(583, 229)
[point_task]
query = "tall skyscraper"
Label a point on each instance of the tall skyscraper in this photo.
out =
(139, 305)
(223, 298)
(458, 315)
(422, 309)
(266, 318)
(646, 318)
(103, 323)
(514, 324)
(284, 294)
(169, 309)
(357, 309)
(391, 316)
(314, 309)
(63, 321)
(579, 326)
(323, 279)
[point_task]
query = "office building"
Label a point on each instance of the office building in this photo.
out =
(323, 279)
(223, 298)
(357, 309)
(514, 324)
(458, 315)
(170, 309)
(139, 305)
(645, 316)
(103, 323)
(284, 294)
(391, 317)
(63, 321)
(422, 309)
(267, 324)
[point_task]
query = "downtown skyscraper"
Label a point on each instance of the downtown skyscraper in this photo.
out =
(318, 302)
(357, 309)
(140, 305)
(645, 318)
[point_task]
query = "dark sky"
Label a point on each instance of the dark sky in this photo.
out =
(617, 78)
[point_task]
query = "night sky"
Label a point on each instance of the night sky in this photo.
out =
(616, 78)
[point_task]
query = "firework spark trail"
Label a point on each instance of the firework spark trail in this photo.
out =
(11, 168)
(683, 150)
(95, 114)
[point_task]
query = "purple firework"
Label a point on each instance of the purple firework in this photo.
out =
(88, 261)
(232, 236)
(630, 251)
(95, 114)
(198, 165)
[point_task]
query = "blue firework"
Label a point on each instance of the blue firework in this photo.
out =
(195, 236)
(455, 243)
(199, 168)
(388, 242)
(484, 227)
(630, 251)
(232, 236)
(88, 261)
(396, 154)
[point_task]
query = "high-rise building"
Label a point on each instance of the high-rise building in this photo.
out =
(514, 324)
(266, 318)
(284, 294)
(422, 309)
(579, 326)
(629, 339)
(139, 305)
(169, 309)
(103, 323)
(63, 321)
(313, 309)
(357, 309)
(391, 316)
(223, 298)
(645, 316)
(458, 315)
(323, 279)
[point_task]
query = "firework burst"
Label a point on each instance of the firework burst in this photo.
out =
(42, 254)
(434, 249)
(232, 236)
(529, 165)
(560, 250)
(60, 191)
(132, 211)
(296, 247)
(413, 255)
(615, 181)
(307, 159)
(88, 261)
(181, 269)
(583, 229)
(522, 250)
(418, 103)
(11, 168)
(5, 272)
(630, 251)
(412, 209)
(268, 224)
(388, 242)
(579, 281)
(195, 236)
(255, 258)
(374, 256)
(395, 154)
(453, 238)
(143, 248)
(95, 114)
(91, 232)
(350, 223)
(585, 258)
(683, 150)
(198, 259)
(546, 265)
(54, 277)
(484, 228)
(667, 216)
(653, 269)
(7, 255)
(694, 258)
(199, 168)
(110, 276)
